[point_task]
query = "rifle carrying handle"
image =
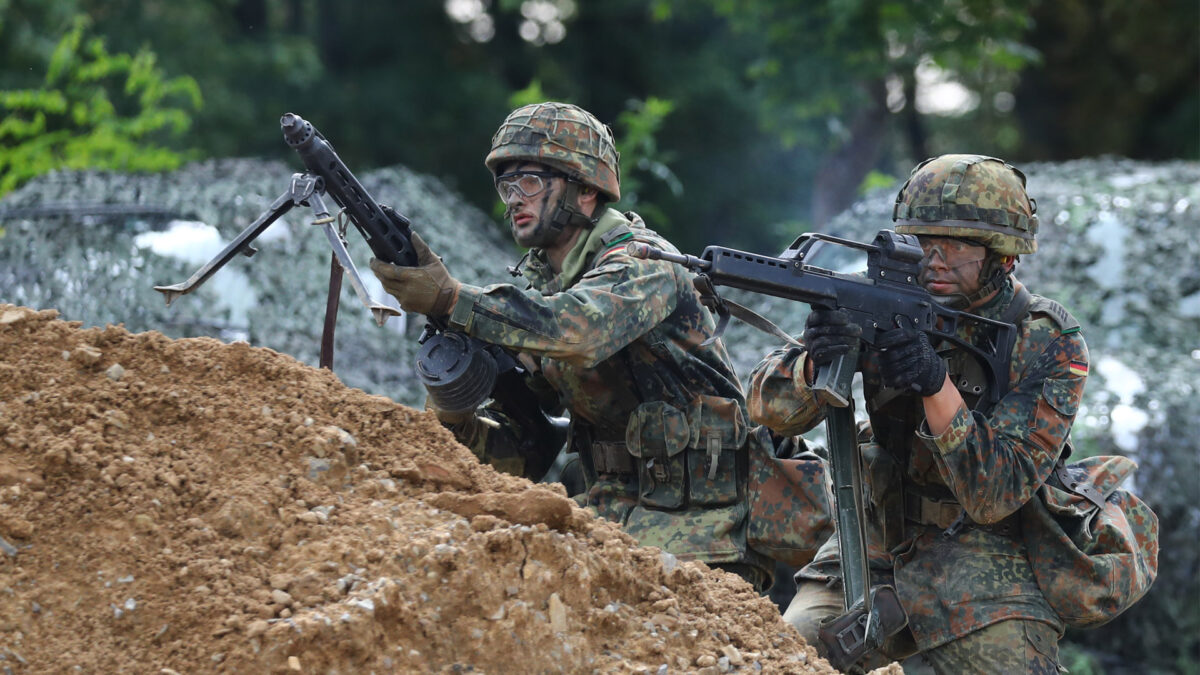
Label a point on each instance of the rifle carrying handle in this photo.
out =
(832, 382)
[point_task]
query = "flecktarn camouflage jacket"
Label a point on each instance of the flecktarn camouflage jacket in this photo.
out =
(658, 419)
(984, 468)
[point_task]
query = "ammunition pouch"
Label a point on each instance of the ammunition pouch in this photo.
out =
(687, 457)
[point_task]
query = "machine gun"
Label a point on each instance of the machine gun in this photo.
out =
(460, 372)
(888, 296)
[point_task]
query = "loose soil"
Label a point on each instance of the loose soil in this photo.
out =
(181, 506)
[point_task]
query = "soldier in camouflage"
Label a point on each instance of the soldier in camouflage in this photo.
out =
(658, 419)
(946, 475)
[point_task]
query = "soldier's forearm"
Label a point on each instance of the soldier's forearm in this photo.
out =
(941, 408)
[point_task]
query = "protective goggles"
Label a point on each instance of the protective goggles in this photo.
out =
(953, 251)
(526, 184)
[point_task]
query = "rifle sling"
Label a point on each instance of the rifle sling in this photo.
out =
(756, 320)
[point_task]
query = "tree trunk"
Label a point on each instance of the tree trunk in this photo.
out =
(842, 170)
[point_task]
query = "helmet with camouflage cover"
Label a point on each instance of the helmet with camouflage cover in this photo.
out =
(969, 196)
(564, 137)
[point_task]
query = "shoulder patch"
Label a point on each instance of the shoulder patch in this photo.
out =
(1058, 313)
(614, 247)
(618, 233)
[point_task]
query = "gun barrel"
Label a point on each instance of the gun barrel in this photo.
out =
(295, 129)
(645, 251)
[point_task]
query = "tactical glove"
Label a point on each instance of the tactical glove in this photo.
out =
(908, 362)
(829, 334)
(426, 288)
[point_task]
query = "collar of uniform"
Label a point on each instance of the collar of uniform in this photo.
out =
(541, 275)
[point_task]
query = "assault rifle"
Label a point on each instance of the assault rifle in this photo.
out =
(888, 296)
(460, 372)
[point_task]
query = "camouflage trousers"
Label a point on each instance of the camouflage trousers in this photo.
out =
(1014, 646)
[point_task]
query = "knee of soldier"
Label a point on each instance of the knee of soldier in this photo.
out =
(814, 603)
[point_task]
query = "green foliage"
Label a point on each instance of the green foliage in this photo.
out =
(875, 180)
(528, 96)
(818, 60)
(641, 158)
(94, 110)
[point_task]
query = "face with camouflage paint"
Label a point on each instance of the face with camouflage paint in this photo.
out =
(951, 266)
(531, 216)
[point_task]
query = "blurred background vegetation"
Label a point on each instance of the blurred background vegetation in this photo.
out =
(740, 122)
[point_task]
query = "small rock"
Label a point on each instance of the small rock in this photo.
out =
(114, 372)
(12, 316)
(281, 598)
(732, 653)
(86, 355)
(706, 660)
(144, 523)
(293, 663)
(167, 476)
(558, 614)
(16, 527)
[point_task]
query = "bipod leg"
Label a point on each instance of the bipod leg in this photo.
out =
(337, 242)
(240, 244)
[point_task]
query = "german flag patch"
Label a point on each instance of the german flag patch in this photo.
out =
(1079, 368)
(617, 244)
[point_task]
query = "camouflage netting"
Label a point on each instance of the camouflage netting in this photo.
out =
(70, 245)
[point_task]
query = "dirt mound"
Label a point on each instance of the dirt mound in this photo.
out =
(192, 506)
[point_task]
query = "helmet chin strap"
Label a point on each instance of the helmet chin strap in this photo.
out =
(567, 213)
(993, 274)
